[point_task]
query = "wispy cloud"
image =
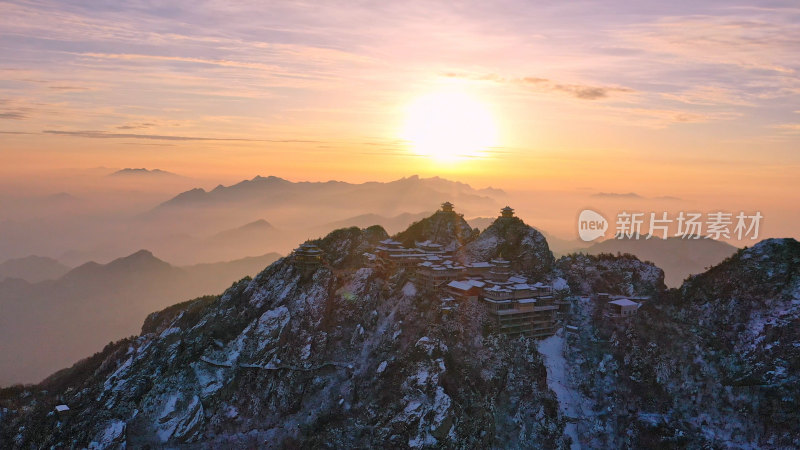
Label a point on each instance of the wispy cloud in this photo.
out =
(635, 115)
(632, 195)
(755, 43)
(69, 88)
(710, 96)
(789, 128)
(616, 195)
(184, 59)
(12, 109)
(106, 135)
(579, 91)
(136, 126)
(13, 115)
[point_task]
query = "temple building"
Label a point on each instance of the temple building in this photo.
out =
(392, 255)
(430, 247)
(479, 269)
(389, 247)
(521, 308)
(467, 290)
(307, 257)
(518, 307)
(434, 275)
(500, 270)
(62, 411)
(447, 207)
(621, 308)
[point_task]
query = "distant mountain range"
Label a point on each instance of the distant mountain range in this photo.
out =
(389, 198)
(260, 236)
(48, 324)
(303, 210)
(392, 225)
(678, 257)
(32, 269)
(244, 235)
(197, 225)
(142, 172)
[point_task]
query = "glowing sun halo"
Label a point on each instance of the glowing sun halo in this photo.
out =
(449, 126)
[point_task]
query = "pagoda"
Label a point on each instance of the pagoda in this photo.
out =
(447, 207)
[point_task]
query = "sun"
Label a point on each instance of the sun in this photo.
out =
(449, 126)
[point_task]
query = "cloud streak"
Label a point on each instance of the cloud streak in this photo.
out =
(616, 195)
(576, 90)
(136, 126)
(632, 196)
(788, 128)
(13, 115)
(162, 137)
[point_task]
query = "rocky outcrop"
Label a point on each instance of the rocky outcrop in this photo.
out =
(713, 364)
(345, 248)
(621, 275)
(511, 239)
(448, 229)
(749, 307)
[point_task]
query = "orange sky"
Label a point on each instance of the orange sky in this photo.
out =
(700, 102)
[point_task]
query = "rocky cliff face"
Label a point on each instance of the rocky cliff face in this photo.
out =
(511, 239)
(341, 358)
(678, 257)
(621, 275)
(750, 301)
(713, 364)
(445, 228)
(345, 248)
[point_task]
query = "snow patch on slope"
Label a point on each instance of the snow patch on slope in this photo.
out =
(570, 400)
